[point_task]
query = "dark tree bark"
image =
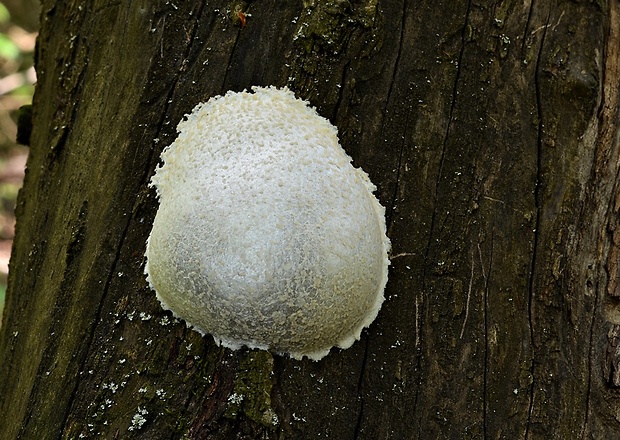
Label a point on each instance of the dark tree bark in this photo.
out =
(491, 131)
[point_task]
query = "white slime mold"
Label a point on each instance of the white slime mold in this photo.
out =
(266, 235)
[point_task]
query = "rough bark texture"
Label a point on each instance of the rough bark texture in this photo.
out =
(491, 131)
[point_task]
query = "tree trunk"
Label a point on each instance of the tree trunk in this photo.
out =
(491, 131)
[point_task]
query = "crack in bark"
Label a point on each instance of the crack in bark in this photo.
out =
(55, 148)
(358, 425)
(121, 241)
(58, 314)
(537, 205)
(445, 140)
(469, 287)
(343, 81)
(486, 336)
(360, 418)
(167, 106)
(453, 103)
(437, 182)
(360, 386)
(401, 153)
(525, 38)
(607, 115)
(402, 145)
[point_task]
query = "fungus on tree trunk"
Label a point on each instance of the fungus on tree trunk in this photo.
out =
(266, 235)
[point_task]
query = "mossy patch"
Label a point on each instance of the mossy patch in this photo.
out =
(251, 395)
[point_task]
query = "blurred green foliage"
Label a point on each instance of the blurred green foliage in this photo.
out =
(5, 16)
(8, 49)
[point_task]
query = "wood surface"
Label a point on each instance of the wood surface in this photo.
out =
(491, 132)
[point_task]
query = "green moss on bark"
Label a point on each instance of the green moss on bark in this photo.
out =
(252, 392)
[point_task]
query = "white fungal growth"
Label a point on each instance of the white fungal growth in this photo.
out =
(266, 235)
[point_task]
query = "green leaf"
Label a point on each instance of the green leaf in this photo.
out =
(5, 17)
(8, 49)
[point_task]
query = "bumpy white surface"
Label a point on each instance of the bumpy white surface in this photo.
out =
(266, 235)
